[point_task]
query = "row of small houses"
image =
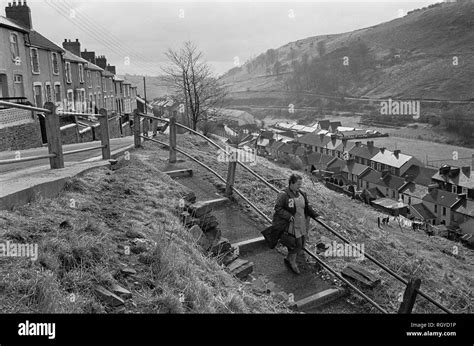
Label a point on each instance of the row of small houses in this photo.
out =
(390, 180)
(34, 70)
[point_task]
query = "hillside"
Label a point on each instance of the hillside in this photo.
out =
(409, 57)
(81, 245)
(155, 86)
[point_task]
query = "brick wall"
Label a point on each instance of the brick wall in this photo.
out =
(22, 136)
(69, 134)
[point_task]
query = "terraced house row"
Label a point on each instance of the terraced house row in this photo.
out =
(35, 70)
(389, 180)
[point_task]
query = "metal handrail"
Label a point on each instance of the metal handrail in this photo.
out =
(21, 106)
(217, 146)
(26, 159)
(79, 114)
(82, 150)
(388, 270)
(270, 221)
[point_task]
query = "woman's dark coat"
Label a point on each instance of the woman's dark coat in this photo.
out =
(284, 210)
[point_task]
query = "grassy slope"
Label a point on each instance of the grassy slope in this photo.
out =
(72, 260)
(428, 39)
(447, 278)
(110, 207)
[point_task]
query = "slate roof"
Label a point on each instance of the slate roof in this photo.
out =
(93, 67)
(336, 165)
(74, 58)
(314, 139)
(465, 178)
(372, 176)
(388, 158)
(318, 158)
(421, 210)
(38, 40)
(414, 190)
(364, 151)
(355, 168)
(441, 197)
(419, 175)
(465, 207)
(11, 24)
(324, 124)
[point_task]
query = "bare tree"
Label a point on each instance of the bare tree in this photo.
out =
(192, 79)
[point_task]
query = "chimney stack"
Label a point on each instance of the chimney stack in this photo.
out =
(20, 14)
(101, 61)
(89, 56)
(73, 47)
(370, 144)
(382, 150)
(358, 144)
(396, 153)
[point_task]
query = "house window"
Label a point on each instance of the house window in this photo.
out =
(104, 84)
(70, 99)
(393, 194)
(403, 198)
(386, 191)
(55, 61)
(444, 211)
(81, 73)
(35, 65)
(379, 168)
(48, 92)
(409, 200)
(453, 188)
(373, 165)
(18, 78)
(435, 208)
(68, 72)
(57, 92)
(37, 89)
(366, 184)
(464, 190)
(14, 47)
(89, 78)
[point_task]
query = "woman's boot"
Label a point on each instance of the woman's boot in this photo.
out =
(293, 265)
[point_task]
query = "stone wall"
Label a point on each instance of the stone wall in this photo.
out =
(19, 130)
(69, 134)
(86, 135)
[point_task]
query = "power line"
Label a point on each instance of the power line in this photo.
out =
(104, 31)
(94, 35)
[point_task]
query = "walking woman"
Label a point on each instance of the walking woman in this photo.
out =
(293, 211)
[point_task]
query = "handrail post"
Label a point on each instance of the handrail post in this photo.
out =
(172, 140)
(230, 174)
(409, 296)
(136, 129)
(104, 133)
(53, 134)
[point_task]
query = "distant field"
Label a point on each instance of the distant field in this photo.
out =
(421, 149)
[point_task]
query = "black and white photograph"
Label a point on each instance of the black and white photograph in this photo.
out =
(262, 172)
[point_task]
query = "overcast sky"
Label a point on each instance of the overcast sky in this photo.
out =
(134, 35)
